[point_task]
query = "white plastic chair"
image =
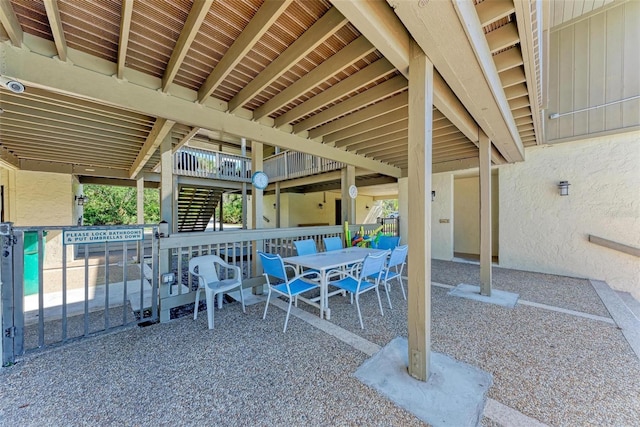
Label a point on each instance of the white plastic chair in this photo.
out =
(361, 278)
(393, 269)
(207, 268)
(274, 267)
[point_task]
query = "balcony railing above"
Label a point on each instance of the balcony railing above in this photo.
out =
(200, 163)
(293, 164)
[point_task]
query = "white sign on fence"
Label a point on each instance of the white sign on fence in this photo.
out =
(73, 237)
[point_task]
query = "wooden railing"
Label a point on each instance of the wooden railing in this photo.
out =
(293, 164)
(200, 163)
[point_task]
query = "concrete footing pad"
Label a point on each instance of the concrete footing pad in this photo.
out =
(503, 298)
(454, 395)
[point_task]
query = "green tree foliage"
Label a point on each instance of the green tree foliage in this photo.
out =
(109, 205)
(232, 208)
(389, 206)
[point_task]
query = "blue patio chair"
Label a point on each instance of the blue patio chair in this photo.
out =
(385, 242)
(361, 278)
(207, 269)
(305, 247)
(332, 243)
(393, 269)
(274, 267)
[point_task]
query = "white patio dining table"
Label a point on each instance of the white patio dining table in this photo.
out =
(324, 262)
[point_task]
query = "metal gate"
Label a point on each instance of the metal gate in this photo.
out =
(60, 284)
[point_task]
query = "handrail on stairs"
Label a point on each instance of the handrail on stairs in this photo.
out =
(614, 245)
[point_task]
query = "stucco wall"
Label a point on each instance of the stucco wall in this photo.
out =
(43, 199)
(441, 212)
(542, 231)
(467, 215)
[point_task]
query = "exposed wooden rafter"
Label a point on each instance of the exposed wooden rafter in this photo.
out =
(10, 23)
(160, 129)
(321, 30)
(353, 52)
(53, 14)
(125, 25)
(198, 12)
(260, 24)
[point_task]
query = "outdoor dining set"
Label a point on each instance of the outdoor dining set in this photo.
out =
(338, 270)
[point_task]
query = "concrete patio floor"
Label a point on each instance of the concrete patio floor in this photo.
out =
(571, 367)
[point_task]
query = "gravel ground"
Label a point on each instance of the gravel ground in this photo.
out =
(559, 291)
(554, 367)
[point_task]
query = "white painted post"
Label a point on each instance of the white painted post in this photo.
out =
(257, 208)
(419, 176)
(243, 151)
(486, 251)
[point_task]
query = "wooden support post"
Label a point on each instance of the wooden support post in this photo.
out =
(486, 251)
(419, 216)
(348, 178)
(140, 213)
(243, 151)
(167, 191)
(257, 210)
(403, 209)
(278, 225)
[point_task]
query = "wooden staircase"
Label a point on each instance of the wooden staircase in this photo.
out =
(196, 206)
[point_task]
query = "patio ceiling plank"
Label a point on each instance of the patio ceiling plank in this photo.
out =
(377, 93)
(317, 34)
(503, 37)
(516, 103)
(381, 140)
(516, 91)
(53, 14)
(40, 132)
(10, 23)
(512, 77)
(358, 80)
(353, 52)
(196, 16)
(399, 101)
(87, 124)
(125, 25)
(380, 121)
(386, 130)
(264, 18)
(508, 59)
(491, 11)
(160, 129)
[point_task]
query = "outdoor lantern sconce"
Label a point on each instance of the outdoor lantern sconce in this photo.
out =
(320, 206)
(81, 200)
(433, 195)
(564, 188)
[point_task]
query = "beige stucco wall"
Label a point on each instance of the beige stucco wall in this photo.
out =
(441, 212)
(542, 231)
(42, 199)
(467, 215)
(296, 209)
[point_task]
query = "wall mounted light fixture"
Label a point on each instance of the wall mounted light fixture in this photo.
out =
(81, 200)
(433, 195)
(563, 187)
(320, 206)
